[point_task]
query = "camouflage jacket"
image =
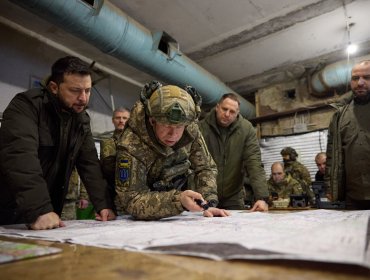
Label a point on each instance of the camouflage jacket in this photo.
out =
(285, 188)
(145, 169)
(300, 172)
(108, 151)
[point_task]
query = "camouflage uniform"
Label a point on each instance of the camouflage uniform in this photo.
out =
(300, 172)
(108, 155)
(285, 188)
(76, 192)
(149, 174)
(108, 152)
(69, 207)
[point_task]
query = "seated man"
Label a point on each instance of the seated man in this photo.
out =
(298, 171)
(282, 184)
(320, 160)
(160, 146)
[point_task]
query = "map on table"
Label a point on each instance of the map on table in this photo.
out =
(317, 235)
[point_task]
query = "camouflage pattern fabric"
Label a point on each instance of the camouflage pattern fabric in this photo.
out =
(285, 188)
(76, 192)
(171, 104)
(108, 159)
(108, 152)
(299, 172)
(69, 211)
(147, 172)
(69, 207)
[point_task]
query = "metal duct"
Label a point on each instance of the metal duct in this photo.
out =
(113, 32)
(334, 76)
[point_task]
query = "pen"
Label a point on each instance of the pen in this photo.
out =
(202, 203)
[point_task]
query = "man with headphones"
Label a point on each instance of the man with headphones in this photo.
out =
(298, 171)
(160, 148)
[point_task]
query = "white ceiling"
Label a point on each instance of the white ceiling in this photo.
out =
(248, 44)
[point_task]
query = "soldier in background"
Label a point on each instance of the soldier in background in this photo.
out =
(282, 184)
(108, 150)
(298, 171)
(108, 146)
(108, 157)
(320, 161)
(157, 151)
(77, 195)
(119, 120)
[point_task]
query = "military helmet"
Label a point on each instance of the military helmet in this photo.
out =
(171, 104)
(289, 151)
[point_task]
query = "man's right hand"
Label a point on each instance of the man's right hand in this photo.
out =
(187, 200)
(47, 221)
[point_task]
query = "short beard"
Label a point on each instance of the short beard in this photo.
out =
(64, 106)
(362, 99)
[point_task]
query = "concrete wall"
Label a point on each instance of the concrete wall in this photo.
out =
(283, 100)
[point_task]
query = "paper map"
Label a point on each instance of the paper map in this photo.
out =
(317, 235)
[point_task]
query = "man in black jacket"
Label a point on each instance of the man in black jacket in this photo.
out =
(44, 134)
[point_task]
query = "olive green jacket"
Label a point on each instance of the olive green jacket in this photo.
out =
(240, 154)
(334, 171)
(145, 168)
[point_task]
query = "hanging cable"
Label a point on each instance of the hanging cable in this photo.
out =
(350, 48)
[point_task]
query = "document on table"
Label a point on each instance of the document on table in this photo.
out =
(318, 235)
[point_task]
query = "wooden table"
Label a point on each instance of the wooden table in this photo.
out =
(90, 263)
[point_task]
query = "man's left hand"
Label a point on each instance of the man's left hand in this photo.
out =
(216, 212)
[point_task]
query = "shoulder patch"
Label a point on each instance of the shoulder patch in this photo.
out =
(124, 169)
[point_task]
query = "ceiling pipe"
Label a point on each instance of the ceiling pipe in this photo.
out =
(334, 75)
(113, 32)
(68, 51)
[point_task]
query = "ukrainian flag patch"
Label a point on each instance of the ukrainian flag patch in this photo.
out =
(124, 169)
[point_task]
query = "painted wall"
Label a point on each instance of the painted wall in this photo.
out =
(25, 60)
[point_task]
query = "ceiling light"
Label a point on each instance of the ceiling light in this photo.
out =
(351, 48)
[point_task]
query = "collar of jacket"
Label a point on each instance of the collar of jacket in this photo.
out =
(343, 100)
(139, 124)
(117, 134)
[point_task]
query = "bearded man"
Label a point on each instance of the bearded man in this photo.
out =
(44, 134)
(347, 173)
